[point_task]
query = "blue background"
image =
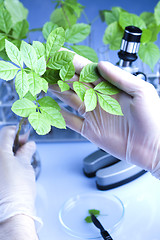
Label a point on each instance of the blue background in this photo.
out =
(40, 11)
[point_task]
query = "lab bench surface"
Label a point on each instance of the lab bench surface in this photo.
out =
(62, 177)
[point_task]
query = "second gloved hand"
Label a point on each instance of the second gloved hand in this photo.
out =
(17, 177)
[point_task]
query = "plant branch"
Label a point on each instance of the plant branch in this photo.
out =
(86, 17)
(35, 30)
(16, 144)
(65, 15)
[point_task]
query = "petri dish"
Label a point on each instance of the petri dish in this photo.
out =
(74, 211)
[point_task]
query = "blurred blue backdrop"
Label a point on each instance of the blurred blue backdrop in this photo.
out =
(40, 11)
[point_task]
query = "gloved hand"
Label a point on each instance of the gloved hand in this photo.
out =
(134, 137)
(17, 177)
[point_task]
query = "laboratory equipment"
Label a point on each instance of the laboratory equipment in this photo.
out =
(109, 171)
(104, 232)
(128, 51)
(74, 211)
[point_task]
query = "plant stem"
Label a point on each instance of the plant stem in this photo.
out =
(81, 82)
(65, 15)
(86, 17)
(16, 144)
(10, 36)
(35, 30)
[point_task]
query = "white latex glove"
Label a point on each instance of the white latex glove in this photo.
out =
(17, 177)
(134, 137)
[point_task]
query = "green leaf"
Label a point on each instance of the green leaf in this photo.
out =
(88, 219)
(113, 36)
(48, 28)
(2, 41)
(94, 211)
(76, 7)
(5, 20)
(13, 53)
(54, 117)
(147, 17)
(29, 55)
(157, 13)
(36, 83)
(108, 16)
(16, 42)
(20, 29)
(86, 52)
(77, 33)
(111, 16)
(63, 86)
(57, 17)
(39, 48)
(101, 14)
(17, 10)
(3, 55)
(89, 73)
(67, 71)
(30, 97)
(51, 111)
(48, 102)
(63, 17)
(90, 100)
(149, 53)
(44, 84)
(39, 122)
(129, 19)
(60, 59)
(80, 89)
(155, 31)
(21, 83)
(7, 70)
(51, 76)
(23, 107)
(55, 41)
(109, 104)
(146, 36)
(106, 88)
(41, 66)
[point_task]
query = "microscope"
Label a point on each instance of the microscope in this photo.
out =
(109, 171)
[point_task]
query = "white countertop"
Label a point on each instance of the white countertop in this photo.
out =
(62, 177)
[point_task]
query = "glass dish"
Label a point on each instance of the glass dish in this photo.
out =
(73, 212)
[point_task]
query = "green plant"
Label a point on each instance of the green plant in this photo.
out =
(117, 19)
(96, 212)
(35, 65)
(66, 15)
(45, 63)
(13, 24)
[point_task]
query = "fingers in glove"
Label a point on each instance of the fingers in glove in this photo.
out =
(7, 136)
(120, 78)
(76, 78)
(68, 97)
(79, 63)
(56, 88)
(73, 121)
(26, 151)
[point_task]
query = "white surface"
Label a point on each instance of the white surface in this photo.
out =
(62, 177)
